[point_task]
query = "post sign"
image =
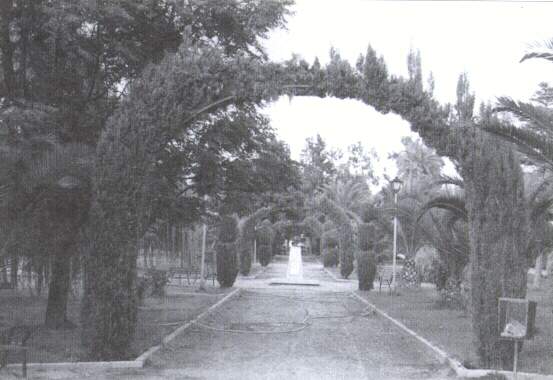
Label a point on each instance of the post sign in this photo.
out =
(517, 318)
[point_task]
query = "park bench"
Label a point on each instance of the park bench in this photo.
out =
(385, 276)
(14, 340)
(191, 274)
(6, 286)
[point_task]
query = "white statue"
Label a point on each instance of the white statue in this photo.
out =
(295, 266)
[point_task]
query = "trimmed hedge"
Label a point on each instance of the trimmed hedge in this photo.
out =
(346, 264)
(366, 270)
(330, 258)
(226, 249)
(227, 266)
(264, 254)
(245, 261)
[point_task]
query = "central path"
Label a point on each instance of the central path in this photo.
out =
(290, 332)
(295, 332)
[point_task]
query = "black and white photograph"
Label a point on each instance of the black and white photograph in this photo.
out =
(276, 189)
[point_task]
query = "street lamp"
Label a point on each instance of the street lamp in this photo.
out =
(396, 185)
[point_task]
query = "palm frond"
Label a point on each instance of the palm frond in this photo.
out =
(447, 180)
(452, 203)
(536, 146)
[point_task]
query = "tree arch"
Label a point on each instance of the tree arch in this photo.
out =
(155, 126)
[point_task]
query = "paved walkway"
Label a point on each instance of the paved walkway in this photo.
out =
(288, 332)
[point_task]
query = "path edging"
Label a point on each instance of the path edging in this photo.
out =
(139, 362)
(445, 358)
(166, 340)
(334, 276)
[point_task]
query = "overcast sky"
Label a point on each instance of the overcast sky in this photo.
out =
(486, 39)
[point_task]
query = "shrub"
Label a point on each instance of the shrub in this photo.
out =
(438, 274)
(451, 295)
(366, 270)
(245, 260)
(346, 264)
(408, 276)
(264, 254)
(265, 236)
(423, 260)
(227, 266)
(330, 258)
(156, 281)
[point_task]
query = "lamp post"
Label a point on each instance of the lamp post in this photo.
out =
(254, 244)
(396, 185)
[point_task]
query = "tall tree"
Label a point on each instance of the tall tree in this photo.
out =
(317, 164)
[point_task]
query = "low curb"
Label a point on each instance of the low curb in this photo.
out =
(169, 338)
(445, 358)
(140, 361)
(333, 276)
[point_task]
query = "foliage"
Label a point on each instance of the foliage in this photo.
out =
(366, 270)
(317, 164)
(265, 235)
(264, 253)
(346, 245)
(439, 274)
(227, 255)
(451, 295)
(408, 277)
(145, 158)
(156, 282)
(330, 258)
(227, 266)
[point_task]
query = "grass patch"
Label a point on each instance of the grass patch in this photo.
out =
(420, 310)
(157, 317)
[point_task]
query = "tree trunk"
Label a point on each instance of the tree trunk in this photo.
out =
(109, 307)
(6, 47)
(4, 272)
(40, 278)
(537, 271)
(498, 226)
(58, 293)
(14, 269)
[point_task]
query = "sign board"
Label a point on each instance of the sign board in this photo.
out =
(516, 318)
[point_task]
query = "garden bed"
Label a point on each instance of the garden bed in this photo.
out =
(157, 317)
(420, 310)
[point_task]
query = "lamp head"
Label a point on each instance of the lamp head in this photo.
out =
(396, 185)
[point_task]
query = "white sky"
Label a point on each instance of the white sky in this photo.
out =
(484, 38)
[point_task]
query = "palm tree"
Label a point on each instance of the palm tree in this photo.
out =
(417, 163)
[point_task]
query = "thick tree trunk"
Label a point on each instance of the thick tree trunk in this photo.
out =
(58, 293)
(109, 307)
(6, 47)
(498, 227)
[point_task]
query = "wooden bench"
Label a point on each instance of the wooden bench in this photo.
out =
(14, 340)
(6, 286)
(385, 275)
(191, 274)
